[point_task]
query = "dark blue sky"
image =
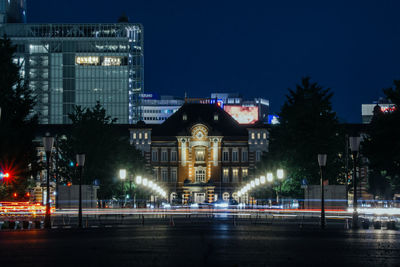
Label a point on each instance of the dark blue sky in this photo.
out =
(257, 48)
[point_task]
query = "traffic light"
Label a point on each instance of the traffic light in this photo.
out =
(5, 175)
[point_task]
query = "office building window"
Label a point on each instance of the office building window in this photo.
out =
(154, 155)
(225, 156)
(164, 175)
(235, 157)
(225, 175)
(173, 156)
(164, 156)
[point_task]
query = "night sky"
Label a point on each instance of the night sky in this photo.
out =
(255, 48)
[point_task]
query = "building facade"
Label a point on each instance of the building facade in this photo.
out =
(156, 109)
(200, 153)
(12, 11)
(81, 64)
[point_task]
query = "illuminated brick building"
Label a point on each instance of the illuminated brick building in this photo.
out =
(200, 153)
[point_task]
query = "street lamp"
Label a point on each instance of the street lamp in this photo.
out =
(322, 163)
(354, 147)
(122, 176)
(48, 142)
(138, 179)
(270, 177)
(279, 175)
(80, 160)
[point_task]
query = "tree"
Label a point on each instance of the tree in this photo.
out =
(308, 127)
(382, 146)
(17, 125)
(94, 134)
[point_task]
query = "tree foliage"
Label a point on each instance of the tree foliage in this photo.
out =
(94, 134)
(17, 124)
(308, 127)
(382, 146)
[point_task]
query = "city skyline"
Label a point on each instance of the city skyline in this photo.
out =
(258, 49)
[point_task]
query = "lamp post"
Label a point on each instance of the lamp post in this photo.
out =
(122, 176)
(80, 160)
(270, 178)
(48, 142)
(322, 164)
(354, 147)
(279, 175)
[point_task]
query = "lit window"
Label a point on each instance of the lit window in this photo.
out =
(235, 157)
(265, 135)
(215, 117)
(200, 155)
(258, 135)
(253, 136)
(164, 156)
(235, 175)
(164, 175)
(154, 155)
(225, 175)
(200, 175)
(225, 156)
(146, 135)
(184, 117)
(140, 135)
(245, 156)
(173, 156)
(134, 135)
(245, 172)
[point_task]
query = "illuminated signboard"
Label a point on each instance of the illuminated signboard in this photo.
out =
(388, 109)
(243, 115)
(273, 119)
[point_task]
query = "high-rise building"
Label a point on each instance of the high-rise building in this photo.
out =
(12, 11)
(80, 64)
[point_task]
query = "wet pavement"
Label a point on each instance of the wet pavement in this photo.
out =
(200, 243)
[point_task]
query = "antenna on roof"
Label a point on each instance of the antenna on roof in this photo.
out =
(185, 96)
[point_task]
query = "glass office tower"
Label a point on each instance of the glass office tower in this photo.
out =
(12, 11)
(80, 64)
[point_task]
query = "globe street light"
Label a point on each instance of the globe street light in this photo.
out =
(138, 179)
(279, 175)
(48, 142)
(122, 176)
(80, 160)
(322, 163)
(354, 147)
(270, 177)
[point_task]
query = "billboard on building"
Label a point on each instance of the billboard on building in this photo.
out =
(243, 115)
